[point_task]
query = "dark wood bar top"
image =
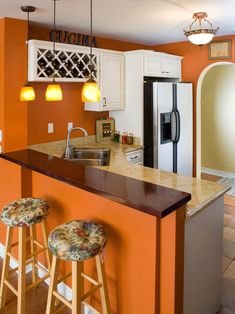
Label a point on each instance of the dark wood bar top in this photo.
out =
(146, 197)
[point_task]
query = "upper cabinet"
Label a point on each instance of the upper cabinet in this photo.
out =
(112, 83)
(70, 63)
(162, 65)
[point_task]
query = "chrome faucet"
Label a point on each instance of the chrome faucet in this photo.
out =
(69, 147)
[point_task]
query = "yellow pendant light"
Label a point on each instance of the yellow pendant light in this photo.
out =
(54, 91)
(90, 90)
(27, 91)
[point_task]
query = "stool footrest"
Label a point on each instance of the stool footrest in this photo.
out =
(37, 283)
(17, 243)
(39, 244)
(37, 252)
(93, 281)
(13, 270)
(62, 299)
(45, 271)
(10, 286)
(91, 291)
(64, 277)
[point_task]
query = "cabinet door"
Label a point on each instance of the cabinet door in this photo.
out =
(153, 66)
(172, 68)
(112, 76)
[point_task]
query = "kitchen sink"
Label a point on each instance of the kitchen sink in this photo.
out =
(90, 156)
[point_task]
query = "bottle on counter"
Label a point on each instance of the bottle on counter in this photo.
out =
(130, 139)
(116, 136)
(124, 138)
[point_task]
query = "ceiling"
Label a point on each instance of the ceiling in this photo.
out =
(143, 21)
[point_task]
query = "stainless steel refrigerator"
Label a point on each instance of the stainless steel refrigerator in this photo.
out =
(168, 126)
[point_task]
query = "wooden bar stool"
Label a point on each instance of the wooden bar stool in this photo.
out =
(24, 213)
(77, 241)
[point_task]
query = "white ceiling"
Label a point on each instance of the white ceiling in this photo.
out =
(142, 21)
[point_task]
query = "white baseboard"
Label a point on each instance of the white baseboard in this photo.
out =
(62, 288)
(218, 173)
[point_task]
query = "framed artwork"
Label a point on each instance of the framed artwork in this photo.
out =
(220, 49)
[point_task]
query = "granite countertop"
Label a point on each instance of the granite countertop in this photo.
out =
(203, 192)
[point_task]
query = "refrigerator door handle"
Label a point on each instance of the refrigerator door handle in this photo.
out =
(177, 126)
(173, 126)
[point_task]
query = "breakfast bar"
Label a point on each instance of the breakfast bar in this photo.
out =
(151, 242)
(145, 225)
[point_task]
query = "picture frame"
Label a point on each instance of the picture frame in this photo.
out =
(220, 49)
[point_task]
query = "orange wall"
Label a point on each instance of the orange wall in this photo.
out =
(13, 113)
(40, 112)
(2, 27)
(194, 62)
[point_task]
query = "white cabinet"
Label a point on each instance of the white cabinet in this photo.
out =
(138, 65)
(135, 157)
(112, 80)
(162, 66)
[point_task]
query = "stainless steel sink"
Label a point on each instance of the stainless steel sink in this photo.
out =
(90, 156)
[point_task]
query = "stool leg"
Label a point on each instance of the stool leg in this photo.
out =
(5, 269)
(77, 287)
(104, 289)
(53, 284)
(22, 271)
(45, 237)
(32, 230)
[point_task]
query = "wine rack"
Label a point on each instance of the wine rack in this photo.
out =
(67, 64)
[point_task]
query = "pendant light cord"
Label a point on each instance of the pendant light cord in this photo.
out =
(27, 54)
(54, 24)
(91, 26)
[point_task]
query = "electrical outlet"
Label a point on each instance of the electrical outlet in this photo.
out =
(0, 149)
(0, 135)
(50, 128)
(70, 126)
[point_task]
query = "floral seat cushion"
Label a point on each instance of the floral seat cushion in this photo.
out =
(77, 240)
(24, 212)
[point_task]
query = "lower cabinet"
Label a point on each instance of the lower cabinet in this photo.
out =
(112, 79)
(135, 157)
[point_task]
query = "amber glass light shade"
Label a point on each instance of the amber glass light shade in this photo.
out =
(54, 92)
(27, 93)
(90, 91)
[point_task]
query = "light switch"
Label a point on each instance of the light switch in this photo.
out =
(0, 149)
(70, 126)
(0, 135)
(50, 128)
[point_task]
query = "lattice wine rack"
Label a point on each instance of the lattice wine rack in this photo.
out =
(68, 63)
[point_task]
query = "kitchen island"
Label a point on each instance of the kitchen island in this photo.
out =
(145, 221)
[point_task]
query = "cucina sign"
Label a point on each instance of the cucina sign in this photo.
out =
(72, 38)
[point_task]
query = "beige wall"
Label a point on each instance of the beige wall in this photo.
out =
(218, 118)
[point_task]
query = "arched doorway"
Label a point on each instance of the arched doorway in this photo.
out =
(199, 111)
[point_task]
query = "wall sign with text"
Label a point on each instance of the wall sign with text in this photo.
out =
(65, 37)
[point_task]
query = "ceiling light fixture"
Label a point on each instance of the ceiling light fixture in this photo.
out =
(90, 90)
(203, 34)
(27, 91)
(54, 91)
